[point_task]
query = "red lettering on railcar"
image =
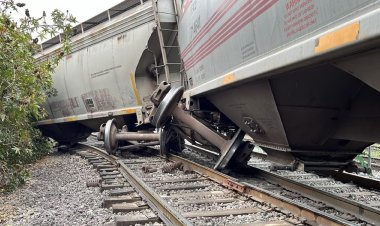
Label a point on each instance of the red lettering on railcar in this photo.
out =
(300, 15)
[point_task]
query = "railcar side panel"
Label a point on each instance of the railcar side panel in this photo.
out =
(59, 105)
(218, 36)
(97, 80)
(76, 67)
(291, 74)
(100, 77)
(113, 54)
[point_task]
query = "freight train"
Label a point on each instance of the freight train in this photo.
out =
(299, 77)
(109, 74)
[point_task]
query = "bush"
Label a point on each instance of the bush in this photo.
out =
(24, 87)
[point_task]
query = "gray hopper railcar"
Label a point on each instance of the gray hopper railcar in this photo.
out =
(300, 77)
(110, 72)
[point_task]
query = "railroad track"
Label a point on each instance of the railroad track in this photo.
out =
(123, 195)
(198, 195)
(175, 197)
(343, 200)
(361, 203)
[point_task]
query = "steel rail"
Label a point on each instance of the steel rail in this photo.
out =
(359, 210)
(262, 195)
(113, 159)
(213, 154)
(365, 182)
(171, 214)
(256, 193)
(167, 214)
(208, 153)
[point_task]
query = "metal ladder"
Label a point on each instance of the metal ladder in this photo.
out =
(165, 48)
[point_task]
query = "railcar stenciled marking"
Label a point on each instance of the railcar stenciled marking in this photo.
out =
(246, 14)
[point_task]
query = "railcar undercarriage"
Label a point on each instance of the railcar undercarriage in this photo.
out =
(319, 122)
(290, 109)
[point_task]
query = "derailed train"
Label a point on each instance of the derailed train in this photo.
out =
(300, 77)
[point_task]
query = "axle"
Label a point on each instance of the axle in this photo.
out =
(111, 136)
(166, 101)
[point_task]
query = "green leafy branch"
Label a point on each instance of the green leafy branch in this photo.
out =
(25, 84)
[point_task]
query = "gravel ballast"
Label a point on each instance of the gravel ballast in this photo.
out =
(56, 194)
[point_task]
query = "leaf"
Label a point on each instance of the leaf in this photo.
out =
(24, 83)
(2, 117)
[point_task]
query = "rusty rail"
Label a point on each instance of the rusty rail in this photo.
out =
(250, 190)
(262, 195)
(359, 210)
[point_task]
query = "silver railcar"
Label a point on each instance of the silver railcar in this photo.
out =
(300, 77)
(110, 72)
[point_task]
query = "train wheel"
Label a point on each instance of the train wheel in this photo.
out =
(230, 151)
(241, 156)
(170, 141)
(166, 107)
(110, 142)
